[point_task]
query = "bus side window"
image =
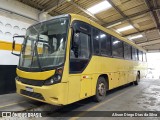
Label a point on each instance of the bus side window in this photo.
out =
(96, 41)
(80, 47)
(117, 47)
(80, 52)
(134, 54)
(105, 44)
(127, 51)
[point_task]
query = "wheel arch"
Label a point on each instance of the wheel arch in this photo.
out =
(105, 76)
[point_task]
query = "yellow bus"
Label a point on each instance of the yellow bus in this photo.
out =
(69, 58)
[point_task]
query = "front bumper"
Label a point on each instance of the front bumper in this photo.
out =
(55, 94)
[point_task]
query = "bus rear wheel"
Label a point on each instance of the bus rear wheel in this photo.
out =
(101, 89)
(137, 79)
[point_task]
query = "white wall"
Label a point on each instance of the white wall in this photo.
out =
(8, 28)
(8, 21)
(153, 60)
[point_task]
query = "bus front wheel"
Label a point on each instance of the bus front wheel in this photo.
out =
(137, 79)
(101, 89)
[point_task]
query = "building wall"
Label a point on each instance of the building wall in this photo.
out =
(20, 8)
(9, 28)
(15, 18)
(8, 62)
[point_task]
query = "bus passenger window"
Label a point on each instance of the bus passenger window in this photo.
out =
(117, 47)
(80, 52)
(96, 37)
(127, 51)
(134, 54)
(80, 48)
(105, 44)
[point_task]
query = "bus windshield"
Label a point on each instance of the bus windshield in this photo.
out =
(45, 44)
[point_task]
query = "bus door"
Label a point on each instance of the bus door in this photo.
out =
(80, 54)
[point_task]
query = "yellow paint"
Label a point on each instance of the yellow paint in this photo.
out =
(74, 87)
(8, 46)
(35, 75)
(86, 87)
(58, 91)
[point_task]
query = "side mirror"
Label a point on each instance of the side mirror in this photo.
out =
(13, 45)
(16, 47)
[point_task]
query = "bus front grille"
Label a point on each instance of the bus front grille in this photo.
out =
(32, 94)
(32, 82)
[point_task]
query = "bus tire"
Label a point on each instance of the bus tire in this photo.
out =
(137, 79)
(101, 89)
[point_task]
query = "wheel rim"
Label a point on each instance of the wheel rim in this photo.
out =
(101, 89)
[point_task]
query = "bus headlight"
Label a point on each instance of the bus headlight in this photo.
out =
(55, 79)
(49, 81)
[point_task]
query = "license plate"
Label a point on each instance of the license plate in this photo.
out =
(29, 89)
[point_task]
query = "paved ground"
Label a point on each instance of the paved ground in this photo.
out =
(144, 97)
(15, 102)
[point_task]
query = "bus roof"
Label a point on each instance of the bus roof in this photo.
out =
(82, 18)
